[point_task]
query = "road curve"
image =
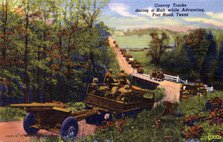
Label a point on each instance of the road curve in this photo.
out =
(172, 89)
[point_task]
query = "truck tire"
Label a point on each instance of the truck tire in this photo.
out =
(29, 120)
(69, 128)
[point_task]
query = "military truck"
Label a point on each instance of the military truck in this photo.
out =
(135, 64)
(189, 90)
(140, 70)
(123, 51)
(128, 56)
(157, 75)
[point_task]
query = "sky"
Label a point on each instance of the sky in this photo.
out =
(121, 14)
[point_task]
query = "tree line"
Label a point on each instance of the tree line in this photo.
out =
(51, 49)
(196, 55)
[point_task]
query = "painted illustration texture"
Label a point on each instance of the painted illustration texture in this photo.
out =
(111, 71)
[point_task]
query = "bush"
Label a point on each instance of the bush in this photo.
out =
(141, 129)
(11, 114)
(159, 94)
(75, 106)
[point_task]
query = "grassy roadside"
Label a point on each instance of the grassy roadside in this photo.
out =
(11, 114)
(143, 128)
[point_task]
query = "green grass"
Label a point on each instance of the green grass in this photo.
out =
(196, 105)
(11, 114)
(133, 41)
(114, 63)
(144, 60)
(143, 128)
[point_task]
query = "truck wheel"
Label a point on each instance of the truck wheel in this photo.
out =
(69, 128)
(29, 120)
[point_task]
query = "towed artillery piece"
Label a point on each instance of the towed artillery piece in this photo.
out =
(55, 117)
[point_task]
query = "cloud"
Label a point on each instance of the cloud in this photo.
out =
(144, 22)
(205, 21)
(215, 15)
(121, 9)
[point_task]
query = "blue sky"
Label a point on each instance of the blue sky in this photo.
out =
(120, 14)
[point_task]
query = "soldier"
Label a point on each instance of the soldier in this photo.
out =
(96, 89)
(124, 92)
(93, 88)
(122, 77)
(108, 79)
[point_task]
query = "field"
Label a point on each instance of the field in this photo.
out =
(133, 41)
(144, 60)
(138, 41)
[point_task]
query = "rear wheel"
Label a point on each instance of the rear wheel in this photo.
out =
(29, 120)
(69, 128)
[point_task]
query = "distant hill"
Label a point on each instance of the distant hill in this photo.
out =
(140, 38)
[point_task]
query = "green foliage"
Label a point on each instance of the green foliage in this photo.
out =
(157, 46)
(77, 106)
(142, 129)
(196, 104)
(159, 94)
(11, 114)
(57, 47)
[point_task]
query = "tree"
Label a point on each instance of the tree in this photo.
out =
(157, 46)
(90, 9)
(196, 47)
(219, 71)
(56, 50)
(209, 64)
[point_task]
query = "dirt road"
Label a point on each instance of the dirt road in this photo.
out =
(13, 132)
(172, 89)
(121, 60)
